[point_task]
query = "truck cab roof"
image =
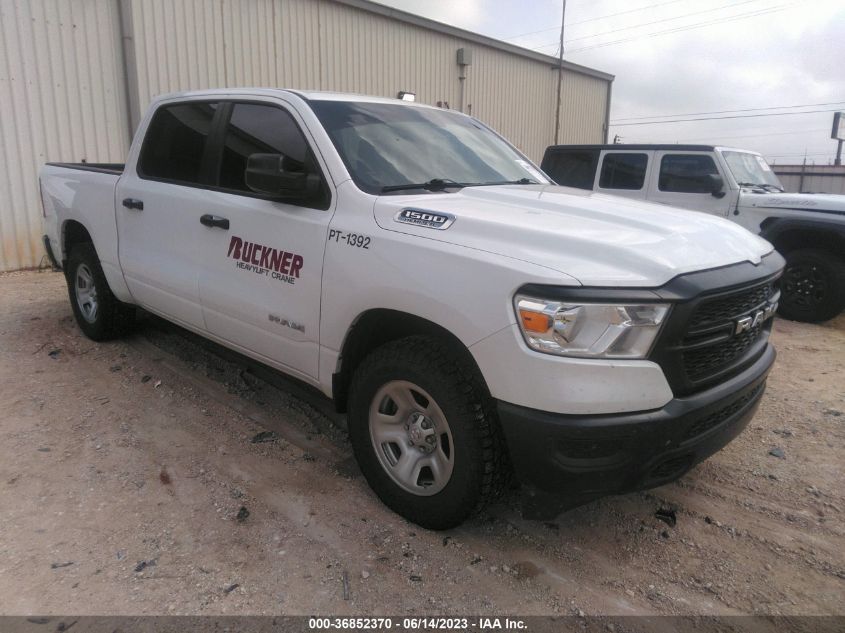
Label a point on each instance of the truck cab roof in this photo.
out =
(307, 95)
(648, 147)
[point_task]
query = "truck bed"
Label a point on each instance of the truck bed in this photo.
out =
(106, 168)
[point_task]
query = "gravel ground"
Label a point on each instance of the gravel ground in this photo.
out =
(151, 476)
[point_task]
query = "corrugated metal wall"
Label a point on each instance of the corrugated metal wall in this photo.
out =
(323, 45)
(811, 178)
(61, 99)
(63, 87)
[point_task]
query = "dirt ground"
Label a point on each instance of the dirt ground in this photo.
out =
(131, 482)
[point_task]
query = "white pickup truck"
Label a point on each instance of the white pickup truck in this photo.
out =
(473, 320)
(807, 229)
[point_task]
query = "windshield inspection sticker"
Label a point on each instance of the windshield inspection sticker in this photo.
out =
(427, 219)
(763, 164)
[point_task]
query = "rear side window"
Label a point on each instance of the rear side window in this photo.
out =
(572, 168)
(686, 173)
(174, 147)
(259, 129)
(623, 171)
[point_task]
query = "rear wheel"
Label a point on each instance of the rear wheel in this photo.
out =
(98, 312)
(812, 286)
(423, 434)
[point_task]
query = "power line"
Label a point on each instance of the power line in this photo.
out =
(720, 118)
(601, 17)
(717, 135)
(801, 154)
(689, 27)
(678, 17)
(685, 15)
(661, 116)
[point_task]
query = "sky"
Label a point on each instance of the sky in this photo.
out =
(722, 58)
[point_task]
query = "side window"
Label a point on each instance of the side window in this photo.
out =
(623, 171)
(174, 146)
(686, 173)
(260, 129)
(572, 168)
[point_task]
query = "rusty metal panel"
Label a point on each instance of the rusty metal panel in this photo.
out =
(61, 99)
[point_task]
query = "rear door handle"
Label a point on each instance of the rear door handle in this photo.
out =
(214, 221)
(133, 203)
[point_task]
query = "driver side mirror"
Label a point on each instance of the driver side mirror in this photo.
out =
(280, 176)
(716, 185)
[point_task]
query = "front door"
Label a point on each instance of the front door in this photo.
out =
(684, 179)
(262, 255)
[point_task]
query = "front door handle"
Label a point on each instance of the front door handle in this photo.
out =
(133, 203)
(214, 221)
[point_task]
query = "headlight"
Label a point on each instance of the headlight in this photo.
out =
(589, 330)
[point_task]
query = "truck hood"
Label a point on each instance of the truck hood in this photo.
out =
(818, 202)
(599, 240)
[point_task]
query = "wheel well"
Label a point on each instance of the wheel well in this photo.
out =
(74, 233)
(793, 239)
(374, 328)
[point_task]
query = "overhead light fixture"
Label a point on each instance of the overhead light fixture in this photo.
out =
(406, 96)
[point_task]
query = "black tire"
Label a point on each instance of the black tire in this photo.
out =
(111, 318)
(812, 286)
(479, 469)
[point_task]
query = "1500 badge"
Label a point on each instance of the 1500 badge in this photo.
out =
(428, 219)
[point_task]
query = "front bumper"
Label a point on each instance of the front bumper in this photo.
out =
(566, 460)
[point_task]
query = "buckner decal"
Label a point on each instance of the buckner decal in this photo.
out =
(265, 260)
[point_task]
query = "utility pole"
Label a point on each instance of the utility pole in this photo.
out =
(838, 134)
(559, 73)
(801, 179)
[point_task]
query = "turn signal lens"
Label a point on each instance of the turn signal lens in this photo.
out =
(535, 321)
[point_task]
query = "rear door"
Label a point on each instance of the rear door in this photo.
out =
(683, 179)
(159, 203)
(261, 263)
(572, 167)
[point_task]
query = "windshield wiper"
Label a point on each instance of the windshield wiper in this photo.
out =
(435, 184)
(439, 184)
(762, 185)
(521, 181)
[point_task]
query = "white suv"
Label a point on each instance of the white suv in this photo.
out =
(807, 229)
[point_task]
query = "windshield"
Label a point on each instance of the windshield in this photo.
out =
(751, 169)
(387, 145)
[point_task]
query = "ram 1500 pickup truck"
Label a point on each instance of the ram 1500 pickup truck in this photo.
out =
(472, 319)
(807, 229)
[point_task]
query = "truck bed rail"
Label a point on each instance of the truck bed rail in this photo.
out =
(105, 168)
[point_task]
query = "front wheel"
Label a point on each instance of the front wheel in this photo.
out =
(812, 286)
(423, 434)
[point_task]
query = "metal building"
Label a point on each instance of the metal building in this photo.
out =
(76, 75)
(811, 178)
